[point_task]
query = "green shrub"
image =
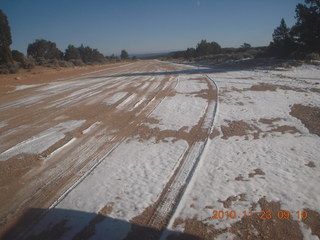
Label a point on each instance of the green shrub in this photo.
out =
(28, 63)
(77, 62)
(13, 68)
(65, 63)
(41, 61)
(4, 69)
(9, 68)
(51, 63)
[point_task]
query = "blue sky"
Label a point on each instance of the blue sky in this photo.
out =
(143, 26)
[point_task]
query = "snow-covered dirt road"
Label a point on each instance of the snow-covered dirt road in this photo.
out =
(154, 150)
(127, 138)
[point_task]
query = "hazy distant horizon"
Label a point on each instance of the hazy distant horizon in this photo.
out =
(143, 27)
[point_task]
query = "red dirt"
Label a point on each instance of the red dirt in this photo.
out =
(308, 115)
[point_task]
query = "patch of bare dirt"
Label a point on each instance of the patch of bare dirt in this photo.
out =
(209, 93)
(246, 78)
(310, 164)
(240, 178)
(308, 115)
(269, 121)
(254, 227)
(195, 134)
(11, 173)
(316, 90)
(263, 87)
(285, 129)
(16, 167)
(282, 129)
(239, 128)
(229, 201)
(244, 129)
(282, 87)
(196, 230)
(267, 87)
(214, 133)
(209, 207)
(313, 221)
(177, 221)
(239, 103)
(257, 171)
(227, 90)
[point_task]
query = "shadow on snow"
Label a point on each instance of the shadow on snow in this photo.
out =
(40, 224)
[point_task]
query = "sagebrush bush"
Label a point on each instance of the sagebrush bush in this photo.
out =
(4, 69)
(77, 62)
(51, 63)
(9, 68)
(13, 68)
(28, 63)
(63, 63)
(41, 61)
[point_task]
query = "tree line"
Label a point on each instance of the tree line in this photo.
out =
(203, 48)
(46, 53)
(302, 39)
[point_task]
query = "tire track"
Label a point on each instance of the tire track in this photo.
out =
(58, 178)
(158, 216)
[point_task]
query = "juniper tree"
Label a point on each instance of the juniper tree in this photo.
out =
(5, 39)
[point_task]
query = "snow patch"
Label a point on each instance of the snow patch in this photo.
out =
(188, 86)
(42, 141)
(127, 101)
(115, 98)
(22, 87)
(91, 127)
(140, 170)
(179, 111)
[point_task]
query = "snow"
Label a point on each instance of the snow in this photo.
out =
(39, 143)
(115, 98)
(138, 169)
(186, 85)
(282, 157)
(286, 177)
(22, 87)
(156, 83)
(131, 177)
(3, 124)
(139, 102)
(60, 148)
(179, 111)
(91, 127)
(127, 101)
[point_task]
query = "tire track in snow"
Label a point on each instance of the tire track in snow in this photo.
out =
(85, 154)
(172, 194)
(166, 88)
(198, 159)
